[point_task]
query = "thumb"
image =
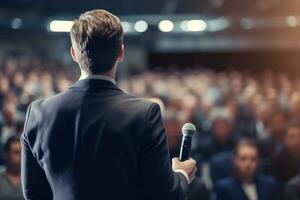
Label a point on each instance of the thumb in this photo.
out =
(175, 160)
(175, 163)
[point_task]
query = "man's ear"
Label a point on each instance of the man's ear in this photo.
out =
(121, 54)
(72, 51)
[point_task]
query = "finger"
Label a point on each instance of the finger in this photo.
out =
(190, 162)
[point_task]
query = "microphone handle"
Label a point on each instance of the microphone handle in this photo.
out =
(185, 148)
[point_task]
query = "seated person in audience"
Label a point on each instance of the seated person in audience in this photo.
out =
(10, 181)
(221, 138)
(293, 189)
(246, 184)
(286, 163)
(263, 113)
(12, 116)
(244, 123)
(271, 145)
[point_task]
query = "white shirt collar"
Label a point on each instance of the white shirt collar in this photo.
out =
(250, 190)
(100, 77)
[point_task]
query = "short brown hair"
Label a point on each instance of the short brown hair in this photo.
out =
(245, 142)
(97, 37)
(10, 141)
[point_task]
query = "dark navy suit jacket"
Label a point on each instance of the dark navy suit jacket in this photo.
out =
(221, 166)
(231, 189)
(96, 142)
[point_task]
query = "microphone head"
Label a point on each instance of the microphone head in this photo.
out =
(188, 129)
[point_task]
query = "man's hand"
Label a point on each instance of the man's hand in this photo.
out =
(188, 166)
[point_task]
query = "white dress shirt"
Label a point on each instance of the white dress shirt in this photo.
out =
(100, 77)
(250, 190)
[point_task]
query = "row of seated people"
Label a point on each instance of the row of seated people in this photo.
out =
(225, 107)
(239, 175)
(278, 156)
(283, 166)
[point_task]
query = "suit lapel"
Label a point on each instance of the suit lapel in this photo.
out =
(260, 193)
(241, 191)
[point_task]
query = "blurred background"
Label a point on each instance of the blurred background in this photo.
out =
(229, 66)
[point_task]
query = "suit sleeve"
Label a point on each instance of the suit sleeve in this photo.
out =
(157, 175)
(34, 182)
(220, 193)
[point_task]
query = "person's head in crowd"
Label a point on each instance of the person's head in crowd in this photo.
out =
(232, 105)
(10, 67)
(18, 80)
(264, 112)
(278, 124)
(174, 103)
(172, 123)
(222, 122)
(46, 85)
(12, 150)
(246, 159)
(62, 84)
(4, 85)
(292, 140)
(189, 105)
(97, 42)
(9, 110)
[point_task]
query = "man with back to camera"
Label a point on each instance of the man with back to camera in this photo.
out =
(94, 141)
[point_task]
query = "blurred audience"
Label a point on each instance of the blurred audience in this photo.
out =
(246, 183)
(278, 124)
(23, 79)
(221, 166)
(286, 162)
(225, 106)
(221, 137)
(10, 181)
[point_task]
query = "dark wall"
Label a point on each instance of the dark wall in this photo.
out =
(282, 60)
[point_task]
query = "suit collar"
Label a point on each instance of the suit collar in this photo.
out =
(240, 188)
(259, 186)
(92, 84)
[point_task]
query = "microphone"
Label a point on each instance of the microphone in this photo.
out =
(188, 131)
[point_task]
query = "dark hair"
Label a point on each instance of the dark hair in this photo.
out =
(245, 142)
(10, 141)
(97, 37)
